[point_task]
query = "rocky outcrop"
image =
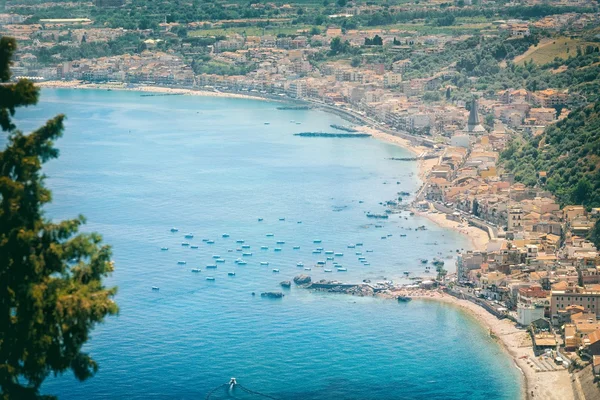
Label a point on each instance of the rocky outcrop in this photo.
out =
(285, 284)
(302, 280)
(272, 295)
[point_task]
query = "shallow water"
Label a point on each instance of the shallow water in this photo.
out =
(137, 166)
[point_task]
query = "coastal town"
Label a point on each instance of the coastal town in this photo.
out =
(532, 275)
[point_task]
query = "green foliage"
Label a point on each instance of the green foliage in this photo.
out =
(51, 291)
(569, 152)
(376, 41)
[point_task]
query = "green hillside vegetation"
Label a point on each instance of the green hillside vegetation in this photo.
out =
(569, 153)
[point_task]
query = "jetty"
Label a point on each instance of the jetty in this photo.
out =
(332, 135)
(343, 128)
(294, 108)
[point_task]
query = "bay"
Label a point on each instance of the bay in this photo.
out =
(136, 166)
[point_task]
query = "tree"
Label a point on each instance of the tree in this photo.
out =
(582, 191)
(342, 3)
(51, 291)
(448, 93)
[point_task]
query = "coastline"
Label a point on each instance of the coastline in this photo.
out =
(555, 385)
(146, 89)
(546, 385)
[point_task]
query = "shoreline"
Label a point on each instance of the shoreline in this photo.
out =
(147, 89)
(555, 385)
(546, 385)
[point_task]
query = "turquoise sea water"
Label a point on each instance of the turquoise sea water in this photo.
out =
(137, 166)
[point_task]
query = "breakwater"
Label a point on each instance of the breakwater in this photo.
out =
(343, 128)
(294, 108)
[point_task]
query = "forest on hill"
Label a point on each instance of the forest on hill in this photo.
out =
(565, 159)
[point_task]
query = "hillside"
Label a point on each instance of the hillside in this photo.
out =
(565, 159)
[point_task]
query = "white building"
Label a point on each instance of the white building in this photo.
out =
(526, 314)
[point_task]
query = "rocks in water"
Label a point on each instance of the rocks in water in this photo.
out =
(285, 284)
(302, 280)
(272, 295)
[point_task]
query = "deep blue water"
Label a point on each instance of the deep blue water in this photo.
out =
(137, 166)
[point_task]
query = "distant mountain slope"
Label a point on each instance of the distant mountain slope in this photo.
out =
(565, 158)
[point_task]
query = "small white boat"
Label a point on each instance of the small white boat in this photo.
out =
(282, 219)
(270, 234)
(369, 251)
(189, 236)
(326, 270)
(267, 123)
(260, 220)
(280, 242)
(155, 288)
(384, 237)
(361, 258)
(231, 273)
(329, 252)
(239, 241)
(185, 244)
(359, 244)
(196, 270)
(246, 246)
(210, 278)
(181, 262)
(300, 264)
(193, 246)
(239, 249)
(230, 250)
(246, 254)
(296, 247)
(359, 253)
(351, 246)
(174, 230)
(205, 240)
(264, 263)
(211, 266)
(321, 263)
(210, 242)
(242, 263)
(220, 260)
(216, 256)
(307, 268)
(298, 123)
(329, 258)
(277, 249)
(264, 247)
(239, 260)
(339, 254)
(275, 270)
(317, 241)
(367, 264)
(342, 269)
(316, 251)
(299, 222)
(225, 235)
(164, 248)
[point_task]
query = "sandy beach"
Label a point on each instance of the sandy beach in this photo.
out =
(478, 238)
(549, 385)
